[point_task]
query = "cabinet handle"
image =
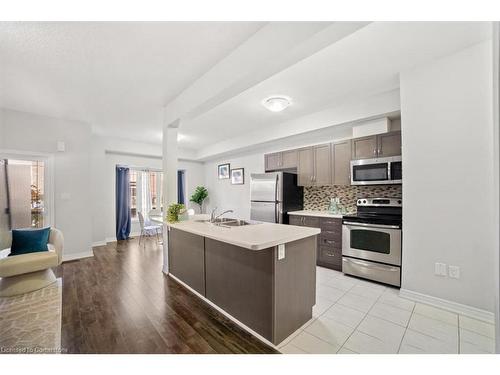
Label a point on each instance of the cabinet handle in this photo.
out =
(330, 242)
(375, 151)
(330, 255)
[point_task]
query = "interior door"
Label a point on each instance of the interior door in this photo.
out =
(264, 211)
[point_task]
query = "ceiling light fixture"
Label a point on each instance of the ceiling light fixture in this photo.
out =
(277, 103)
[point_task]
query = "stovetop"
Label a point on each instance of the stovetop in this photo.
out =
(374, 219)
(382, 211)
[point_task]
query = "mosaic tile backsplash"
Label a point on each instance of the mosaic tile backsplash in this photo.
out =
(318, 197)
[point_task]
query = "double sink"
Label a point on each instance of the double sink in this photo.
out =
(227, 222)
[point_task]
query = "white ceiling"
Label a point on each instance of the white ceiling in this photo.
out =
(119, 76)
(361, 64)
(116, 76)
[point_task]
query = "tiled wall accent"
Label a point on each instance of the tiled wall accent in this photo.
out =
(318, 197)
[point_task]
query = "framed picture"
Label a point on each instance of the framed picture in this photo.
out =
(223, 171)
(238, 176)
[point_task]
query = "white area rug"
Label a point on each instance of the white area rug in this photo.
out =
(31, 323)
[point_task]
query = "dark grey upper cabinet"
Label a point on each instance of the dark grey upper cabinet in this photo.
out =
(289, 159)
(305, 166)
(389, 144)
(377, 146)
(322, 165)
(273, 161)
(341, 157)
(281, 160)
(364, 148)
(314, 166)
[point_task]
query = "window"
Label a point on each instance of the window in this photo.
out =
(133, 193)
(24, 183)
(145, 191)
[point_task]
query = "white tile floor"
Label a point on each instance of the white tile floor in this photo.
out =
(357, 316)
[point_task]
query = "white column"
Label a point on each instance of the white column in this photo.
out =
(169, 177)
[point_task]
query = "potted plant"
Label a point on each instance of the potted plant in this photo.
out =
(199, 195)
(173, 212)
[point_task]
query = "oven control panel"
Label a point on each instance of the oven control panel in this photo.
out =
(380, 202)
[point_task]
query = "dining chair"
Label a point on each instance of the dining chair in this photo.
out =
(148, 229)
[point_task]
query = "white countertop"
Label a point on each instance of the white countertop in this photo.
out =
(254, 237)
(316, 214)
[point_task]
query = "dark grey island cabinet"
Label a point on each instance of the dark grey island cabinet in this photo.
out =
(267, 291)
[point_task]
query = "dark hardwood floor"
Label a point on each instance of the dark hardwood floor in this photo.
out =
(119, 301)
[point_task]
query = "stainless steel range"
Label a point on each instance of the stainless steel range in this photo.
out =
(371, 240)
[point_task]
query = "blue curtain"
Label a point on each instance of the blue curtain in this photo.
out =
(180, 187)
(123, 219)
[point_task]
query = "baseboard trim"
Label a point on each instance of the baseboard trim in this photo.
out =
(444, 304)
(226, 314)
(75, 256)
(99, 243)
(113, 239)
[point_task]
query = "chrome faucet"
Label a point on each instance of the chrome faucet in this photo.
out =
(212, 215)
(213, 219)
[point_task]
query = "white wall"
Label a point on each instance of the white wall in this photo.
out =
(39, 134)
(447, 129)
(225, 196)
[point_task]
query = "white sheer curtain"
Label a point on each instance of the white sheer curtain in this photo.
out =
(146, 193)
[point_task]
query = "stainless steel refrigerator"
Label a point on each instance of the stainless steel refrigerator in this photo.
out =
(273, 195)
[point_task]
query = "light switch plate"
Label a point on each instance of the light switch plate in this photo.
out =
(61, 146)
(454, 272)
(440, 269)
(281, 251)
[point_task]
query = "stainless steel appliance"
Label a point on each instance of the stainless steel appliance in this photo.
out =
(371, 240)
(377, 171)
(273, 195)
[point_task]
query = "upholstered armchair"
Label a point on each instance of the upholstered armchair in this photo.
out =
(28, 272)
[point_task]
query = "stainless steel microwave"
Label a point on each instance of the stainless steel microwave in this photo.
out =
(377, 171)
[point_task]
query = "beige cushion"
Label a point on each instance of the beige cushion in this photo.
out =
(25, 263)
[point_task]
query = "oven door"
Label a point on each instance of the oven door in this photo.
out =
(375, 242)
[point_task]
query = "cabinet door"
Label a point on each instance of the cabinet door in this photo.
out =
(273, 161)
(289, 159)
(341, 162)
(322, 165)
(305, 166)
(389, 144)
(311, 221)
(295, 220)
(364, 148)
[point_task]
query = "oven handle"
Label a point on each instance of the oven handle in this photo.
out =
(350, 223)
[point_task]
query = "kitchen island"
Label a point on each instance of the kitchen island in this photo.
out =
(263, 276)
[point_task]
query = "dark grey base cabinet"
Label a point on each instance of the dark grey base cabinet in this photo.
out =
(329, 250)
(274, 297)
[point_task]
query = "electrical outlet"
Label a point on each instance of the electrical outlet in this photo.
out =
(454, 272)
(440, 269)
(281, 251)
